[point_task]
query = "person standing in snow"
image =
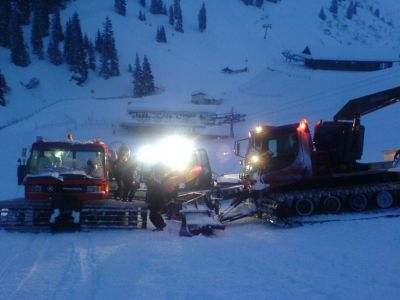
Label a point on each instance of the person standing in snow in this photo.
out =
(124, 170)
(156, 197)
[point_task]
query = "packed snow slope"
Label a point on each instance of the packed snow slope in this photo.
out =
(346, 260)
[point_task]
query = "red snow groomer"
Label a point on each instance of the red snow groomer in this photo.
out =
(290, 174)
(67, 187)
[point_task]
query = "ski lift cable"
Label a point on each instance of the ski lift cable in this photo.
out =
(327, 93)
(347, 86)
(337, 91)
(317, 97)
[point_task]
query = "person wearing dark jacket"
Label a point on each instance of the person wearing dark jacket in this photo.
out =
(156, 198)
(124, 170)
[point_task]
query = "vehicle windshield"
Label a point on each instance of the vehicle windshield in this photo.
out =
(281, 148)
(90, 163)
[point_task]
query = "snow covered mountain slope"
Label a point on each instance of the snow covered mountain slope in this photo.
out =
(344, 260)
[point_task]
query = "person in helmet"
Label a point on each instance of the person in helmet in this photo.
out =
(124, 170)
(94, 168)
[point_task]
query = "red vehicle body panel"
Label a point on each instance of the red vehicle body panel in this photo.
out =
(299, 169)
(66, 185)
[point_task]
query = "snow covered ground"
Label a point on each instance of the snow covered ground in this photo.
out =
(347, 260)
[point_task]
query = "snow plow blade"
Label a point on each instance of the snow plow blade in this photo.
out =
(50, 216)
(203, 212)
(197, 216)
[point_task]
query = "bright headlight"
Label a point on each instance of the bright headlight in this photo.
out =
(255, 159)
(148, 155)
(249, 167)
(175, 152)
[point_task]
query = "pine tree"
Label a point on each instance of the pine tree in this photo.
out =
(41, 9)
(178, 16)
(138, 86)
(120, 7)
(377, 13)
(141, 16)
(91, 56)
(259, 3)
(79, 64)
(63, 4)
(36, 35)
(156, 7)
(161, 36)
(104, 67)
(248, 2)
(19, 53)
(68, 42)
(171, 17)
(74, 50)
(355, 8)
(3, 89)
(98, 42)
(3, 84)
(2, 99)
(81, 69)
(53, 50)
(109, 57)
(322, 14)
(142, 3)
(24, 10)
(202, 18)
(350, 11)
(148, 79)
(5, 17)
(158, 39)
(56, 25)
(334, 7)
(114, 60)
(53, 6)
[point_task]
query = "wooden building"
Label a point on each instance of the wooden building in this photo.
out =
(347, 65)
(349, 58)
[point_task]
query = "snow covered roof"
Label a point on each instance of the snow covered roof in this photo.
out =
(358, 53)
(165, 106)
(198, 93)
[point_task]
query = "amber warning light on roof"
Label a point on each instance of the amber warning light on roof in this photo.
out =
(303, 124)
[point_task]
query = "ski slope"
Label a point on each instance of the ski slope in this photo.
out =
(344, 260)
(357, 260)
